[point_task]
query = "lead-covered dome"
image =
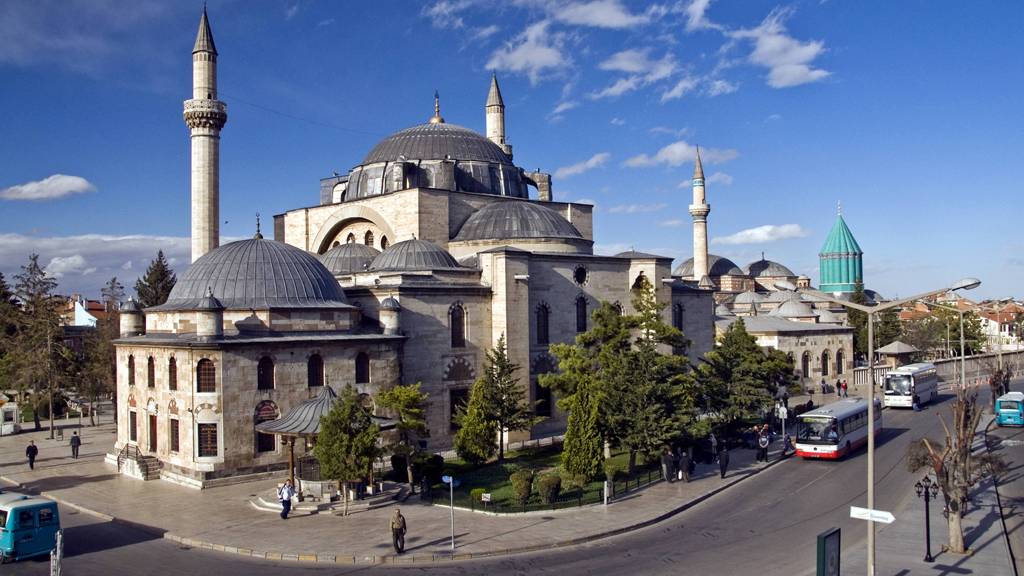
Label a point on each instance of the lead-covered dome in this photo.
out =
(256, 274)
(516, 220)
(413, 255)
(717, 266)
(349, 258)
(437, 142)
(767, 269)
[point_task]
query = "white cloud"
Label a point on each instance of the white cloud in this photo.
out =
(56, 186)
(327, 22)
(533, 52)
(618, 122)
(485, 33)
(58, 266)
(788, 60)
(763, 234)
(290, 12)
(127, 265)
(445, 14)
(773, 117)
(621, 86)
(695, 17)
(643, 71)
(671, 131)
(683, 87)
(595, 161)
(600, 14)
(631, 208)
(674, 223)
(681, 152)
(719, 178)
(718, 87)
(565, 106)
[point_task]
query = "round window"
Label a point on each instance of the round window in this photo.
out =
(580, 275)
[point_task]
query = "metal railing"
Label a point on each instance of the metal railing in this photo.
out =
(132, 452)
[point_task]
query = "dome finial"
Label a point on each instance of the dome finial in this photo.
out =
(840, 202)
(258, 236)
(437, 110)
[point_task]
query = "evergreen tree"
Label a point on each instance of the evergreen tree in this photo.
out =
(99, 371)
(888, 328)
(582, 450)
(155, 286)
(510, 408)
(858, 320)
(347, 443)
(474, 442)
(9, 317)
(411, 407)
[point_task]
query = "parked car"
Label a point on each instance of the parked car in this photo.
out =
(28, 526)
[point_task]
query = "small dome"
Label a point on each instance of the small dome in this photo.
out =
(390, 303)
(348, 258)
(748, 297)
(717, 266)
(827, 317)
(793, 309)
(436, 141)
(209, 303)
(723, 310)
(784, 296)
(413, 255)
(803, 277)
(256, 274)
(130, 306)
(513, 220)
(767, 269)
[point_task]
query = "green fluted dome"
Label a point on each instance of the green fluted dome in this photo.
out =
(840, 260)
(840, 240)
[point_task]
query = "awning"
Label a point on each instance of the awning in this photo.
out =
(304, 419)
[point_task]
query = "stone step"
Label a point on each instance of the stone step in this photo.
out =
(267, 501)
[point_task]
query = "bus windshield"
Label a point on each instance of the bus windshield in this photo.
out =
(1009, 405)
(816, 429)
(897, 384)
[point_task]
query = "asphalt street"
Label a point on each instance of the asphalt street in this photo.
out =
(768, 522)
(1009, 442)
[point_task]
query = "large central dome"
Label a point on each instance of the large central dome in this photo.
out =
(436, 142)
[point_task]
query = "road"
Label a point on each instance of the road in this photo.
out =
(768, 521)
(1009, 442)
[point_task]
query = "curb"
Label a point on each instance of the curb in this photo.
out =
(390, 559)
(999, 502)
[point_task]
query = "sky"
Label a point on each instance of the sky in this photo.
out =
(908, 113)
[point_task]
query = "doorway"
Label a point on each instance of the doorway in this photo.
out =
(152, 433)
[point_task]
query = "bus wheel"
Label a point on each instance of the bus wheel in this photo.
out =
(847, 449)
(4, 558)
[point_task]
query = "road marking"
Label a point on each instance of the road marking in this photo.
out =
(1011, 442)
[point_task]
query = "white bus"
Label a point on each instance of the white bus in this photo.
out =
(905, 382)
(836, 430)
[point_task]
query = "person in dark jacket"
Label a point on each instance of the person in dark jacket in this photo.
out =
(31, 452)
(76, 441)
(685, 463)
(723, 459)
(668, 466)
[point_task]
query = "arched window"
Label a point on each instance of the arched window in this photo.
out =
(384, 243)
(368, 238)
(172, 374)
(265, 411)
(362, 368)
(315, 371)
(351, 238)
(131, 370)
(542, 323)
(457, 317)
(677, 315)
(336, 244)
(618, 308)
(805, 365)
(824, 363)
(839, 362)
(151, 373)
(206, 376)
(581, 313)
(265, 374)
(541, 394)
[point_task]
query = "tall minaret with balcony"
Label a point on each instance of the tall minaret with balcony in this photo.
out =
(205, 115)
(699, 210)
(496, 117)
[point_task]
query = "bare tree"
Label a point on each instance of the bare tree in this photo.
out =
(956, 469)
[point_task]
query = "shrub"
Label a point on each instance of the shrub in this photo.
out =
(432, 473)
(549, 487)
(614, 471)
(522, 485)
(477, 494)
(398, 465)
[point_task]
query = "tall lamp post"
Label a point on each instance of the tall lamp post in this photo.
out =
(965, 284)
(929, 490)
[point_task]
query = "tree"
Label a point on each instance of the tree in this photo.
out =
(155, 286)
(858, 320)
(474, 442)
(9, 317)
(99, 370)
(582, 449)
(510, 408)
(956, 469)
(411, 406)
(926, 333)
(347, 444)
(888, 328)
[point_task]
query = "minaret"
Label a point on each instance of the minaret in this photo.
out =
(205, 115)
(699, 210)
(496, 117)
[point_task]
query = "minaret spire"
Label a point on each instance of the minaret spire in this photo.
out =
(205, 116)
(437, 110)
(699, 210)
(495, 110)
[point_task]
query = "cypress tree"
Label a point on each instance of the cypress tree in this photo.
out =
(475, 440)
(509, 409)
(155, 285)
(582, 452)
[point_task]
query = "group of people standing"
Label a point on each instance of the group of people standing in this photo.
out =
(678, 464)
(841, 388)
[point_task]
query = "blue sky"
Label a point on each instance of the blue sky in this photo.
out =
(909, 113)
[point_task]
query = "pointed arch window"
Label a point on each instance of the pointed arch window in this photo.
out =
(265, 374)
(581, 313)
(457, 319)
(172, 374)
(264, 412)
(151, 373)
(543, 315)
(350, 239)
(315, 371)
(384, 243)
(206, 376)
(805, 365)
(362, 368)
(839, 362)
(824, 363)
(677, 315)
(368, 238)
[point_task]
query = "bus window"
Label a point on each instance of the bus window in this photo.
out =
(897, 384)
(26, 519)
(45, 516)
(3, 518)
(1003, 405)
(814, 428)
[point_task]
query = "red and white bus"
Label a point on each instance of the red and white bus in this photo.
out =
(836, 430)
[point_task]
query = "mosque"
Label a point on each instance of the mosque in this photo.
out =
(409, 268)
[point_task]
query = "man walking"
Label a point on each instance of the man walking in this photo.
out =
(667, 465)
(844, 389)
(398, 531)
(723, 459)
(31, 452)
(284, 496)
(839, 388)
(824, 387)
(684, 464)
(76, 441)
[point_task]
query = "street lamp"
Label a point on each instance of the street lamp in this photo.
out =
(929, 490)
(965, 284)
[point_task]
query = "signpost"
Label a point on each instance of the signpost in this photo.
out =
(872, 515)
(452, 483)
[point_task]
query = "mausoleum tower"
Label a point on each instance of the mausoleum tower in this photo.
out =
(205, 115)
(496, 117)
(840, 262)
(699, 210)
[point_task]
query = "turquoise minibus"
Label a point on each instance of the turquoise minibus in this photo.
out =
(28, 526)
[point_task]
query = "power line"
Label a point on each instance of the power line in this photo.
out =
(299, 118)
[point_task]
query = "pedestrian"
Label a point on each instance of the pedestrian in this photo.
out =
(913, 400)
(785, 446)
(685, 465)
(824, 387)
(839, 388)
(762, 447)
(667, 465)
(844, 389)
(31, 452)
(723, 460)
(76, 441)
(713, 445)
(398, 531)
(810, 405)
(284, 496)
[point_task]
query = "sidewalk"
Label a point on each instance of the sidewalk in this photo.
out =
(223, 519)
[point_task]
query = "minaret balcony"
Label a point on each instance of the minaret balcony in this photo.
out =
(700, 210)
(205, 113)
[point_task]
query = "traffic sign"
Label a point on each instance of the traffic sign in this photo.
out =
(445, 479)
(873, 515)
(485, 497)
(455, 483)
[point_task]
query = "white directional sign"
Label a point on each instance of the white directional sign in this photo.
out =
(873, 515)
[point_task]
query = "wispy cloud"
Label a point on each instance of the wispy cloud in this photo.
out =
(631, 208)
(534, 52)
(445, 14)
(679, 153)
(719, 87)
(56, 186)
(565, 106)
(696, 18)
(681, 88)
(600, 14)
(618, 121)
(763, 234)
(773, 117)
(789, 61)
(327, 22)
(485, 33)
(670, 131)
(674, 223)
(595, 161)
(719, 178)
(291, 11)
(643, 71)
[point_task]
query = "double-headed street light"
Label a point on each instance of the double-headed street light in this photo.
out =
(965, 284)
(929, 490)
